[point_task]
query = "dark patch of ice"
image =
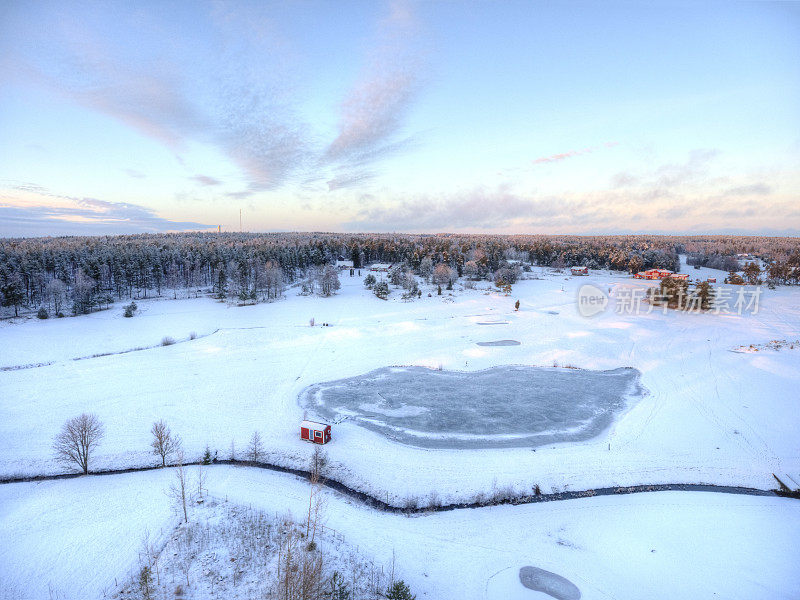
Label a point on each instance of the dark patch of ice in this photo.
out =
(549, 583)
(501, 407)
(499, 343)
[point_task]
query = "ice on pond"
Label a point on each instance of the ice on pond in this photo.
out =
(501, 407)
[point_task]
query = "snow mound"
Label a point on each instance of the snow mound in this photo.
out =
(549, 583)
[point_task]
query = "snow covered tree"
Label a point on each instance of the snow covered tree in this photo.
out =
(704, 294)
(56, 292)
(78, 439)
(12, 292)
(369, 281)
(734, 278)
(164, 443)
(83, 294)
(674, 292)
(338, 589)
(442, 274)
(471, 270)
(329, 280)
(381, 290)
(221, 284)
(399, 591)
(426, 267)
(752, 272)
(396, 275)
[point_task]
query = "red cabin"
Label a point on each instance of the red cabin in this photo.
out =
(316, 433)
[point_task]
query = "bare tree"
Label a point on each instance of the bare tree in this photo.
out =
(78, 439)
(201, 482)
(56, 292)
(164, 443)
(316, 503)
(255, 448)
(179, 490)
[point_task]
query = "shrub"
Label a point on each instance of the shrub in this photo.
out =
(193, 336)
(382, 290)
(369, 280)
(130, 310)
(399, 591)
(207, 456)
(167, 341)
(42, 314)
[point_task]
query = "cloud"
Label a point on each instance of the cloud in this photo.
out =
(693, 170)
(571, 153)
(756, 189)
(560, 157)
(232, 93)
(46, 213)
(349, 179)
(135, 174)
(673, 197)
(374, 109)
(205, 180)
(474, 210)
(241, 195)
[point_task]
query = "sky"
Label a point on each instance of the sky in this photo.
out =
(448, 116)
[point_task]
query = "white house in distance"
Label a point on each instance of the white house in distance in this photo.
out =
(344, 265)
(380, 267)
(580, 270)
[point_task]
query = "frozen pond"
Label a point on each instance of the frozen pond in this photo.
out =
(501, 407)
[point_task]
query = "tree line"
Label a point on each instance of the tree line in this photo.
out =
(81, 274)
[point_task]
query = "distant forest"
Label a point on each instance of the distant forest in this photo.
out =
(81, 274)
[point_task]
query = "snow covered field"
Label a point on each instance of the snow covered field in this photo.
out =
(711, 415)
(70, 539)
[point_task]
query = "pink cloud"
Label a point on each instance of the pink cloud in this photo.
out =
(570, 154)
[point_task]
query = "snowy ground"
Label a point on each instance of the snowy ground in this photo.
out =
(711, 415)
(501, 407)
(71, 539)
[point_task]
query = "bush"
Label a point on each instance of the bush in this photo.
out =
(369, 280)
(42, 314)
(130, 310)
(381, 290)
(167, 341)
(399, 591)
(193, 336)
